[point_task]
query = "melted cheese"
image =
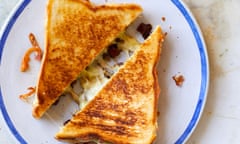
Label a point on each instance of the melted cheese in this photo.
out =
(96, 75)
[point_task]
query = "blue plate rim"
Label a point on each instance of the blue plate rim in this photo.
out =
(7, 28)
(204, 69)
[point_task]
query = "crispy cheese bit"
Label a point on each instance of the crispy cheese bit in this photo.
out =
(27, 95)
(35, 48)
(34, 43)
(26, 58)
(179, 79)
(33, 40)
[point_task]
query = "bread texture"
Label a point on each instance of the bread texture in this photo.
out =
(125, 110)
(76, 32)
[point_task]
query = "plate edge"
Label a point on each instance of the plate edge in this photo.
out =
(197, 33)
(6, 28)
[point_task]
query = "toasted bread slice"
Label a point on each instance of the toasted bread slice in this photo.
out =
(76, 32)
(125, 109)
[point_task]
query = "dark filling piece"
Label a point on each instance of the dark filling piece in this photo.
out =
(113, 50)
(144, 29)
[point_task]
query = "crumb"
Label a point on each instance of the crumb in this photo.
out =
(164, 19)
(179, 79)
(25, 96)
(164, 70)
(170, 27)
(165, 34)
(158, 113)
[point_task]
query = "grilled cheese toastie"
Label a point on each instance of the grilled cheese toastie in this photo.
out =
(76, 33)
(124, 111)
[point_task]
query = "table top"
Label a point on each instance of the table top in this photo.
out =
(219, 21)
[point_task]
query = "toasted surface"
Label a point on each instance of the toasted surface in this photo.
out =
(76, 32)
(124, 110)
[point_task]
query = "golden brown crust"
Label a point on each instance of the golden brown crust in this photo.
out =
(155, 72)
(76, 33)
(124, 111)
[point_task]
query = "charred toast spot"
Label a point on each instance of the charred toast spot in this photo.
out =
(118, 130)
(111, 112)
(96, 114)
(110, 106)
(126, 7)
(128, 120)
(122, 86)
(93, 135)
(113, 130)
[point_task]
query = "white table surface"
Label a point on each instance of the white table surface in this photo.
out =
(220, 23)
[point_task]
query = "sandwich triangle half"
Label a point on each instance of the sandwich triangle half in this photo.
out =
(76, 32)
(125, 109)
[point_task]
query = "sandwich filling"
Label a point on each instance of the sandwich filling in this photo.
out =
(96, 75)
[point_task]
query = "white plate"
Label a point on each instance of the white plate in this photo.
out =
(184, 52)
